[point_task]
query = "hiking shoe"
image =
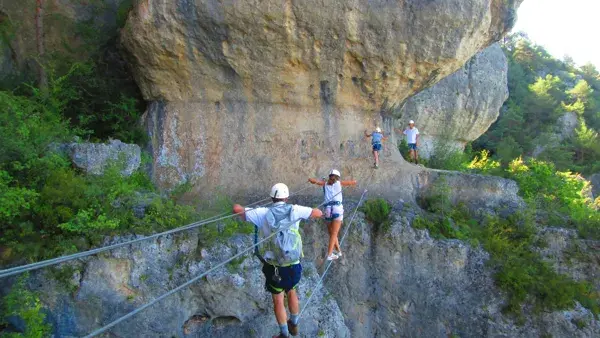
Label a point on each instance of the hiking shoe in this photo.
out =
(339, 254)
(332, 257)
(292, 327)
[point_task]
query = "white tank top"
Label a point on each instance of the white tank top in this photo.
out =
(331, 192)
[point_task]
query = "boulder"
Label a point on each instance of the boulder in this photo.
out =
(95, 158)
(462, 106)
(566, 125)
(246, 93)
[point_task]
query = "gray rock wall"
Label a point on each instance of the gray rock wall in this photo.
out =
(231, 302)
(247, 93)
(393, 283)
(402, 283)
(462, 106)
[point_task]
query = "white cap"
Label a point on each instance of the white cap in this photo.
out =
(335, 172)
(411, 122)
(280, 190)
(378, 130)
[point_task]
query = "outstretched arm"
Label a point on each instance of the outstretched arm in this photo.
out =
(240, 210)
(348, 183)
(317, 182)
(316, 213)
(367, 134)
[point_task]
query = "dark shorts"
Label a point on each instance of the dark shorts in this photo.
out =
(412, 146)
(290, 277)
(377, 147)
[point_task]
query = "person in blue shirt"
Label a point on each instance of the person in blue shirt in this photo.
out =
(376, 139)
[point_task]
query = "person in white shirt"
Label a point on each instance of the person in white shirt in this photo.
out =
(412, 138)
(281, 259)
(334, 210)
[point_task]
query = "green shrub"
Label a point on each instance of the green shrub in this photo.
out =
(377, 211)
(437, 198)
(446, 156)
(22, 303)
(164, 214)
(88, 221)
(404, 150)
(559, 195)
(483, 164)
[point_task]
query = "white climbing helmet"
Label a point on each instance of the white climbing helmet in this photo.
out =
(378, 130)
(411, 122)
(335, 172)
(280, 190)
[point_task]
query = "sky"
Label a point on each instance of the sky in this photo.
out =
(563, 27)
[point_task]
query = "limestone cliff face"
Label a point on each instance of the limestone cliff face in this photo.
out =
(402, 283)
(280, 90)
(231, 302)
(462, 106)
(397, 283)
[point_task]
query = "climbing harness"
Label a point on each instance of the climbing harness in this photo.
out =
(276, 277)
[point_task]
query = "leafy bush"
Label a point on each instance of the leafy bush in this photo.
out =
(559, 195)
(437, 198)
(24, 304)
(455, 226)
(377, 211)
(404, 150)
(447, 157)
(482, 163)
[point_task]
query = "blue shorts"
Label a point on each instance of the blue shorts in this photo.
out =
(412, 146)
(290, 277)
(377, 147)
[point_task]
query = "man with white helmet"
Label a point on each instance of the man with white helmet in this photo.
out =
(377, 138)
(412, 138)
(282, 253)
(334, 210)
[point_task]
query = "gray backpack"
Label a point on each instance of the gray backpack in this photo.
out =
(287, 244)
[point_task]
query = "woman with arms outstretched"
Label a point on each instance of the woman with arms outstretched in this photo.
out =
(334, 210)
